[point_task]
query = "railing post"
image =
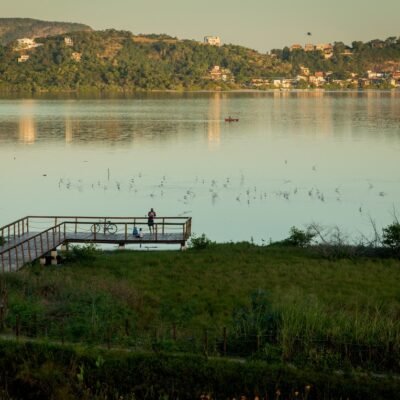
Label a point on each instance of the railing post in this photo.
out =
(2, 262)
(16, 256)
(27, 224)
(36, 249)
(65, 230)
(126, 231)
(29, 251)
(41, 243)
(23, 253)
(163, 226)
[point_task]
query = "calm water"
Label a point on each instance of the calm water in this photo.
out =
(292, 159)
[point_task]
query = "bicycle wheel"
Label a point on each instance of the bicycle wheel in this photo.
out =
(95, 228)
(112, 228)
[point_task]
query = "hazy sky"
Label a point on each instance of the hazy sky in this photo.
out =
(259, 24)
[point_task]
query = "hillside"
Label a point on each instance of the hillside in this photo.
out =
(114, 60)
(118, 59)
(15, 28)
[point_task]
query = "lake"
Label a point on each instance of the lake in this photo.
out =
(292, 159)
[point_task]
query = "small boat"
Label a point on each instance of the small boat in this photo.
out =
(229, 119)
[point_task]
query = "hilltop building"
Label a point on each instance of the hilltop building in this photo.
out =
(309, 47)
(26, 44)
(68, 41)
(296, 47)
(212, 40)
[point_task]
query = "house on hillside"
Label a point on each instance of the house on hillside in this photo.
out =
(396, 78)
(212, 40)
(68, 41)
(347, 53)
(326, 49)
(259, 82)
(23, 58)
(76, 56)
(220, 74)
(296, 47)
(304, 70)
(309, 47)
(26, 44)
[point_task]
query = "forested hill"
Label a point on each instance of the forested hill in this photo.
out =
(15, 28)
(119, 60)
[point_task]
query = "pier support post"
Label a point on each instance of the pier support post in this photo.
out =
(54, 254)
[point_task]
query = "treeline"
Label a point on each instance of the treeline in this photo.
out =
(118, 60)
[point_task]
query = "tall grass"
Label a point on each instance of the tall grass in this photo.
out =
(317, 311)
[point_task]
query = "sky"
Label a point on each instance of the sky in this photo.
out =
(259, 24)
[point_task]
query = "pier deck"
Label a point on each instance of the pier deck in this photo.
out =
(27, 239)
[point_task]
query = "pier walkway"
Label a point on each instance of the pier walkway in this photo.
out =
(29, 238)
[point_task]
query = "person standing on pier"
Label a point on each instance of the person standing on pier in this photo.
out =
(150, 219)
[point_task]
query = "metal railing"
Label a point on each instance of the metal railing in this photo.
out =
(31, 237)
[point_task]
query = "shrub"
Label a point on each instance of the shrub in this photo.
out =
(391, 237)
(85, 253)
(200, 243)
(299, 238)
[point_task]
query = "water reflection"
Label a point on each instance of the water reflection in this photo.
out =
(27, 128)
(69, 134)
(214, 121)
(292, 158)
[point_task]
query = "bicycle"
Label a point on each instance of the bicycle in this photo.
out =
(107, 227)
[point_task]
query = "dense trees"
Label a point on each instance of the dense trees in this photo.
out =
(117, 59)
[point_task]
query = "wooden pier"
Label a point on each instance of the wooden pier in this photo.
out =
(30, 238)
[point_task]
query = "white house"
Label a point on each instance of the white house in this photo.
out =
(212, 40)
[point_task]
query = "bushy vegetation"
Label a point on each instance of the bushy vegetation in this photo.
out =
(37, 371)
(277, 303)
(391, 237)
(200, 242)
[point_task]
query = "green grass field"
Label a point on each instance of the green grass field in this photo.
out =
(277, 303)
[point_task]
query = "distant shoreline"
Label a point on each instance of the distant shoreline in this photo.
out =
(5, 94)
